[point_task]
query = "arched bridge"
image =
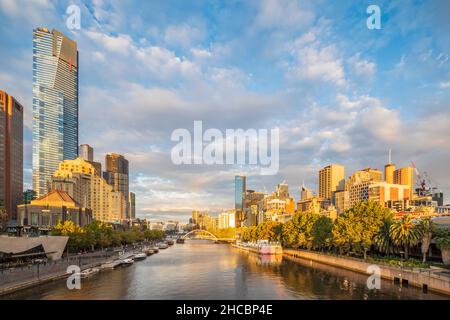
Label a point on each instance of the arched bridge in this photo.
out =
(205, 235)
(200, 234)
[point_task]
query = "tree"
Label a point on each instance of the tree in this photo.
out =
(405, 233)
(270, 230)
(356, 228)
(383, 240)
(297, 232)
(427, 227)
(3, 218)
(322, 233)
(443, 243)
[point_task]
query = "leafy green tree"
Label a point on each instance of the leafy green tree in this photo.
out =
(428, 228)
(383, 240)
(405, 233)
(3, 218)
(322, 233)
(298, 232)
(443, 243)
(356, 228)
(270, 230)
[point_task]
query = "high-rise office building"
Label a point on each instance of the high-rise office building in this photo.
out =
(78, 179)
(132, 204)
(116, 174)
(331, 178)
(405, 176)
(389, 170)
(11, 154)
(239, 199)
(86, 152)
(55, 104)
(305, 193)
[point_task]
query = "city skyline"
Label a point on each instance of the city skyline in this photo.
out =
(378, 90)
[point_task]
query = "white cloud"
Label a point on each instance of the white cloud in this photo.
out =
(183, 35)
(317, 64)
(362, 67)
(283, 14)
(444, 85)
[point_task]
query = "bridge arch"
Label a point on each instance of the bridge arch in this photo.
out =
(197, 231)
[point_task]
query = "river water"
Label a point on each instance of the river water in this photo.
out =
(203, 270)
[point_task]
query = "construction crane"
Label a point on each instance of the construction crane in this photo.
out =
(421, 182)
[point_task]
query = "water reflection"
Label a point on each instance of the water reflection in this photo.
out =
(202, 270)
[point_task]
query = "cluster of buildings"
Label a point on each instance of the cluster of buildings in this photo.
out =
(393, 188)
(67, 183)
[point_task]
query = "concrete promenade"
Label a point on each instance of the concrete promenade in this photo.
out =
(431, 279)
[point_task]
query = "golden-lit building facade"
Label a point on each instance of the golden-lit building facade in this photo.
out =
(79, 179)
(11, 154)
(331, 178)
(405, 176)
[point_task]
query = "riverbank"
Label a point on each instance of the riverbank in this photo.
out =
(437, 280)
(16, 279)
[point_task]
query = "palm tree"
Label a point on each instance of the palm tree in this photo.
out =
(405, 233)
(383, 240)
(427, 228)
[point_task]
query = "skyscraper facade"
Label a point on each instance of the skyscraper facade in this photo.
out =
(331, 178)
(86, 152)
(239, 199)
(116, 174)
(55, 104)
(11, 154)
(132, 204)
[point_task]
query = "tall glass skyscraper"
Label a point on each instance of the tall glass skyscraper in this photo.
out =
(55, 104)
(239, 199)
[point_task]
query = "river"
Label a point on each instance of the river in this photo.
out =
(203, 270)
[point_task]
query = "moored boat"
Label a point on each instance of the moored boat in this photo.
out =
(169, 242)
(155, 249)
(149, 252)
(127, 262)
(180, 240)
(266, 247)
(162, 245)
(140, 256)
(88, 272)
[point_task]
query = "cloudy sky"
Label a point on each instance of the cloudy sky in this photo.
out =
(338, 91)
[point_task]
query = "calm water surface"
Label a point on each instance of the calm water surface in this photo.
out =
(203, 270)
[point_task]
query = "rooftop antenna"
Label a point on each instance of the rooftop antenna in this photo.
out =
(390, 156)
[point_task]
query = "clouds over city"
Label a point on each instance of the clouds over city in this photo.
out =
(338, 91)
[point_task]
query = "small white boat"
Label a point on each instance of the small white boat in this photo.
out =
(162, 245)
(140, 256)
(127, 262)
(155, 249)
(111, 265)
(266, 247)
(88, 272)
(149, 252)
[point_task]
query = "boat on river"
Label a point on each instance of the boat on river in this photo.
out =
(127, 262)
(89, 272)
(162, 245)
(180, 240)
(266, 247)
(140, 256)
(149, 252)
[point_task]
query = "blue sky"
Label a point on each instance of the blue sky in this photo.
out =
(338, 91)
